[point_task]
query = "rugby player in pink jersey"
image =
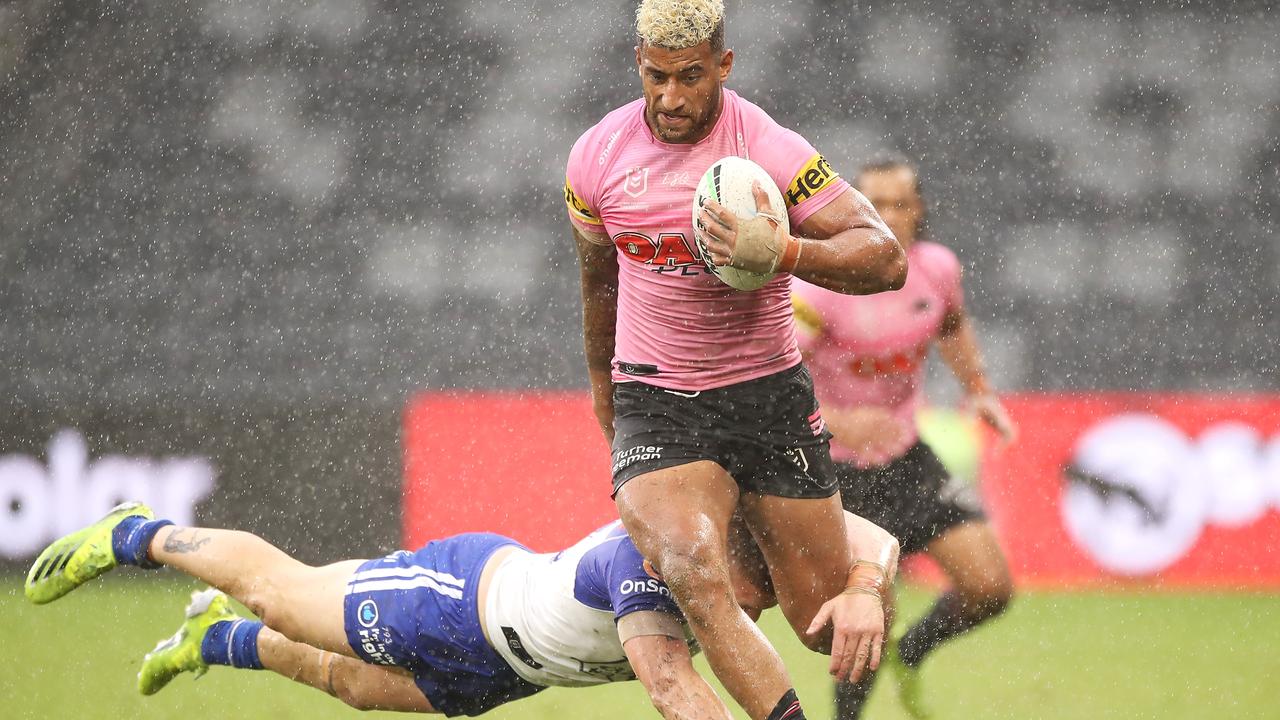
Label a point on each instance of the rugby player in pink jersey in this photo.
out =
(699, 387)
(867, 356)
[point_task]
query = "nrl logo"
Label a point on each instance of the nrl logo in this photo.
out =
(636, 182)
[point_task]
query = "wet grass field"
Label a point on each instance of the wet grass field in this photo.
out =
(1124, 655)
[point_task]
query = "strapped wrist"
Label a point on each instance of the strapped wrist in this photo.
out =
(884, 572)
(790, 254)
(868, 575)
(861, 590)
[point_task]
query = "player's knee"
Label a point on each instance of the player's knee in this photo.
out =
(697, 575)
(268, 598)
(258, 594)
(987, 596)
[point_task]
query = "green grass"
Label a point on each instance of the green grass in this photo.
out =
(1053, 655)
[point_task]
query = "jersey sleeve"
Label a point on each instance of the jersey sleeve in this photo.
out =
(807, 180)
(579, 187)
(632, 589)
(944, 271)
(809, 323)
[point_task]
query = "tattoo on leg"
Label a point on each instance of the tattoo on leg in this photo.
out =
(175, 544)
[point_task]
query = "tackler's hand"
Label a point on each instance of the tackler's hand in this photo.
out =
(858, 624)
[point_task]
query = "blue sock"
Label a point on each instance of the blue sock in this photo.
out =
(131, 540)
(234, 643)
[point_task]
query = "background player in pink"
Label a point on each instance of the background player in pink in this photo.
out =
(867, 356)
(699, 387)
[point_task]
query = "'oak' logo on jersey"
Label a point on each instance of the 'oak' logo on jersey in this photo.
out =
(636, 181)
(670, 250)
(815, 176)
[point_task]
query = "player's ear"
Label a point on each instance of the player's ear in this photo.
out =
(726, 64)
(639, 67)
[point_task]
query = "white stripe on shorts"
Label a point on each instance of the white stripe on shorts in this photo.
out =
(409, 572)
(403, 584)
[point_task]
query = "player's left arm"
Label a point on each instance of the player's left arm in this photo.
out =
(958, 346)
(656, 648)
(846, 247)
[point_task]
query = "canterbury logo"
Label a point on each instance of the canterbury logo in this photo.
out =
(577, 208)
(812, 178)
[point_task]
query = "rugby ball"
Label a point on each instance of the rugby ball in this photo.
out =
(728, 182)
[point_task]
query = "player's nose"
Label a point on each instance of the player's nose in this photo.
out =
(670, 99)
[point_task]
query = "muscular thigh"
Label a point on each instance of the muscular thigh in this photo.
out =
(803, 543)
(679, 511)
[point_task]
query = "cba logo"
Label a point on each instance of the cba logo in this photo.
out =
(815, 176)
(368, 613)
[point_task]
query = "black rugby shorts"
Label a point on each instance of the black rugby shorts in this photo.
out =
(914, 497)
(767, 433)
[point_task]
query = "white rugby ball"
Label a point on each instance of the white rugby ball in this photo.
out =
(728, 182)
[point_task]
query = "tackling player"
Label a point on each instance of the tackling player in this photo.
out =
(458, 627)
(699, 387)
(868, 356)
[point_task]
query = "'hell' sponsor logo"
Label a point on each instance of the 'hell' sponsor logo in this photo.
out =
(812, 179)
(577, 208)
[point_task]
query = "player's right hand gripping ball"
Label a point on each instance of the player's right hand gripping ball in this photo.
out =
(758, 252)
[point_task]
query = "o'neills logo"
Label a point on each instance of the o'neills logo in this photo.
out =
(1138, 492)
(812, 178)
(40, 502)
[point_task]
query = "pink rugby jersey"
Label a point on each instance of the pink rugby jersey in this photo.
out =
(870, 350)
(679, 327)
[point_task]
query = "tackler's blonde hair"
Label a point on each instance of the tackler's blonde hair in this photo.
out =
(678, 24)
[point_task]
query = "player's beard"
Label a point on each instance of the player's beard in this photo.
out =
(697, 128)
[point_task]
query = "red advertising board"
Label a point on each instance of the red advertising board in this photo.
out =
(1156, 489)
(1150, 489)
(531, 465)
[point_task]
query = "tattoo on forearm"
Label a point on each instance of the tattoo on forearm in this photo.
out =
(175, 544)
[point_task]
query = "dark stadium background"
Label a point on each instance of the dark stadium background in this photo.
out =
(253, 230)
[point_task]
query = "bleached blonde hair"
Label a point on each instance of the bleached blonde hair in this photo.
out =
(679, 24)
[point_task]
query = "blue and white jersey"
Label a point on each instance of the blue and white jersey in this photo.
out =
(553, 616)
